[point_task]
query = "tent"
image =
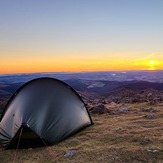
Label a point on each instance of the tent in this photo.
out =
(46, 106)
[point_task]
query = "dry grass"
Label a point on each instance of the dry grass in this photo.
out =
(114, 138)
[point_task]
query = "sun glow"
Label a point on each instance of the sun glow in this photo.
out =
(152, 65)
(76, 63)
(148, 64)
(152, 62)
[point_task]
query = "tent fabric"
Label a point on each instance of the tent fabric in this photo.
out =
(47, 106)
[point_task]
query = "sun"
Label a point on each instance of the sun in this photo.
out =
(152, 65)
(152, 62)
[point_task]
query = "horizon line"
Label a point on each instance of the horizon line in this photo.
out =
(73, 72)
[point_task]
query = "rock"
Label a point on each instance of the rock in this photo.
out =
(149, 94)
(100, 109)
(142, 109)
(70, 153)
(96, 101)
(151, 110)
(123, 110)
(152, 150)
(88, 105)
(150, 116)
(152, 102)
(156, 99)
(106, 101)
(145, 142)
(112, 103)
(99, 105)
(116, 110)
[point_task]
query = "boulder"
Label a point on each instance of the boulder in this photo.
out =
(99, 109)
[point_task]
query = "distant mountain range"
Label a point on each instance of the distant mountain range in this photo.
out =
(106, 88)
(83, 82)
(92, 85)
(150, 76)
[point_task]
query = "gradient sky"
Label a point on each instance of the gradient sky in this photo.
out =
(80, 35)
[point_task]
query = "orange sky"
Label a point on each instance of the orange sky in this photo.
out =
(63, 36)
(74, 63)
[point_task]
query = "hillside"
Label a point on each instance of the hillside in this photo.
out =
(100, 87)
(115, 137)
(119, 92)
(127, 128)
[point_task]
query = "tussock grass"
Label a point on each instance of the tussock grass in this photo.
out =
(113, 138)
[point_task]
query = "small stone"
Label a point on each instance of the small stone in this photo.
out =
(151, 116)
(123, 110)
(152, 150)
(149, 94)
(145, 142)
(116, 110)
(142, 109)
(70, 153)
(151, 110)
(112, 103)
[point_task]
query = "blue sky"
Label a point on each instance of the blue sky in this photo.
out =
(87, 29)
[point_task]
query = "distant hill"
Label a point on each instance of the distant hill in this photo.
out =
(111, 87)
(8, 89)
(90, 85)
(103, 88)
(120, 76)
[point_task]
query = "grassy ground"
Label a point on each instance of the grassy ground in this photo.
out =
(120, 138)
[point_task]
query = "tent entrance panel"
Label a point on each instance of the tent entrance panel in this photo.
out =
(28, 139)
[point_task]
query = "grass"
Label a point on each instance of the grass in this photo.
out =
(114, 138)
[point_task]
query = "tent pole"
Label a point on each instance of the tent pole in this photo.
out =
(21, 131)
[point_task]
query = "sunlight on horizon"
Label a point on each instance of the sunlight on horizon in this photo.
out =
(152, 65)
(82, 65)
(152, 62)
(80, 36)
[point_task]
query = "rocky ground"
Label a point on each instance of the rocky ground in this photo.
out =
(122, 133)
(128, 128)
(150, 96)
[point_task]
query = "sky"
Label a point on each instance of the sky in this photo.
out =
(80, 35)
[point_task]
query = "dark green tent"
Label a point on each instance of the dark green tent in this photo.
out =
(48, 107)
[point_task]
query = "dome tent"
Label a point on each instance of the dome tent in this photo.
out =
(48, 107)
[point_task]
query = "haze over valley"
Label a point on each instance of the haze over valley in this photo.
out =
(90, 85)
